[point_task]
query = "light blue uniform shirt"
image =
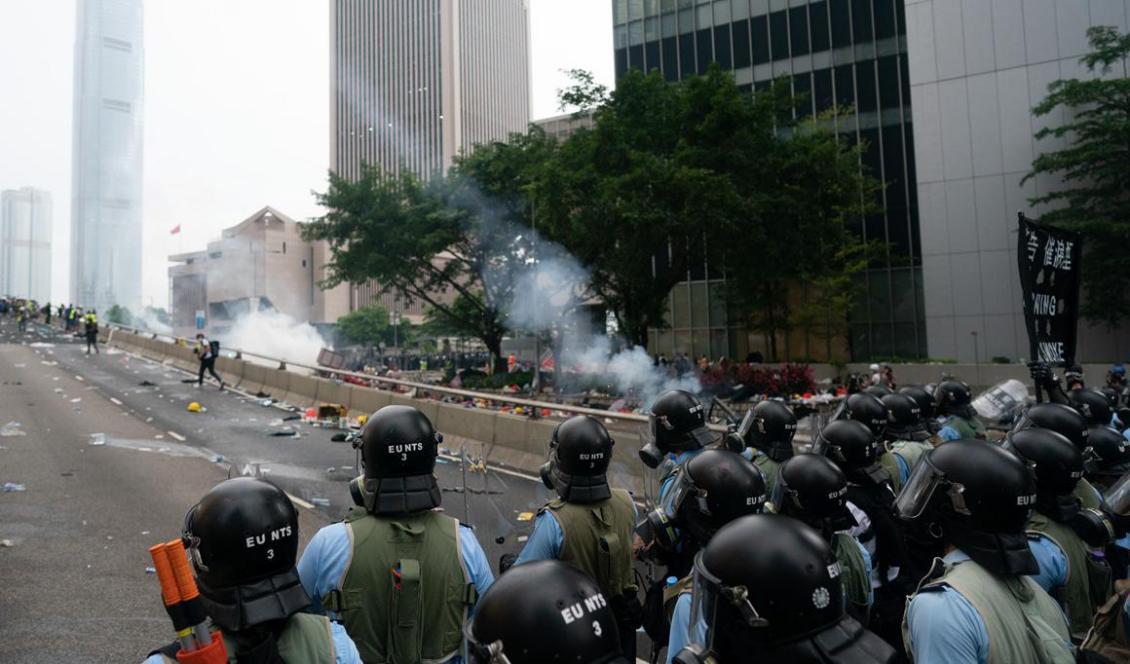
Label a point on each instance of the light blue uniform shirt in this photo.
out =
(1052, 561)
(322, 566)
(944, 626)
(345, 650)
(680, 624)
(948, 433)
(547, 539)
(678, 460)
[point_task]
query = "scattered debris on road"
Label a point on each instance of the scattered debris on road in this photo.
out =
(12, 429)
(97, 439)
(12, 487)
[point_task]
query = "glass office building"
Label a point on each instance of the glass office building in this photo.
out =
(838, 53)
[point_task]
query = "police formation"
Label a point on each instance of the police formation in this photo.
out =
(905, 532)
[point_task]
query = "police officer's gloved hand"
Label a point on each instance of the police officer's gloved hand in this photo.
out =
(506, 561)
(1042, 374)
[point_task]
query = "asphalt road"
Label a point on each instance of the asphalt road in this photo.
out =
(73, 580)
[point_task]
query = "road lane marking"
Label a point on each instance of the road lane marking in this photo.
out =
(176, 435)
(298, 501)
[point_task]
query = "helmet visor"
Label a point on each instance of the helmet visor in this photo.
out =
(706, 624)
(919, 489)
(682, 487)
(1117, 497)
(746, 426)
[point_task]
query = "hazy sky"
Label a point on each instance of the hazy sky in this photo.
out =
(236, 108)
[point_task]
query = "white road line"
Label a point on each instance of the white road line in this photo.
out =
(115, 401)
(176, 435)
(298, 501)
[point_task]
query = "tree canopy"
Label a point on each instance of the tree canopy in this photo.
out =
(1095, 170)
(367, 326)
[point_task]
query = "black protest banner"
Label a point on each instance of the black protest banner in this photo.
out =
(1049, 280)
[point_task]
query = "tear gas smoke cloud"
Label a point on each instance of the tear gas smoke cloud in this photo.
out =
(147, 320)
(275, 335)
(630, 370)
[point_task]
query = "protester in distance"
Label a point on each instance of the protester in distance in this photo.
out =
(251, 591)
(205, 350)
(978, 603)
(590, 524)
(813, 489)
(369, 570)
(777, 601)
(90, 323)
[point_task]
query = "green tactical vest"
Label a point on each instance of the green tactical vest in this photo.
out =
(306, 638)
(598, 540)
(405, 592)
(1080, 598)
(769, 470)
(966, 427)
(853, 570)
(1087, 494)
(1108, 635)
(1023, 622)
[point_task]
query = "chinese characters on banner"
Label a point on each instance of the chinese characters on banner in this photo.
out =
(1049, 280)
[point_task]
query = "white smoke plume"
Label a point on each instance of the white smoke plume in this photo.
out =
(630, 371)
(275, 335)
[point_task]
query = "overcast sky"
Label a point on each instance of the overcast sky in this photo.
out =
(236, 108)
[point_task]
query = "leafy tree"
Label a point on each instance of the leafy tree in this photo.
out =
(455, 242)
(1095, 169)
(119, 315)
(367, 326)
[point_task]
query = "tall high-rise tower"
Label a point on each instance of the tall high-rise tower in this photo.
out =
(106, 221)
(415, 82)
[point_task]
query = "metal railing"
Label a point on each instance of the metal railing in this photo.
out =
(534, 405)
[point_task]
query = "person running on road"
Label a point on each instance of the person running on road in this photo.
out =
(91, 323)
(207, 357)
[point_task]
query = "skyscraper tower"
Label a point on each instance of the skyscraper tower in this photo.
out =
(106, 221)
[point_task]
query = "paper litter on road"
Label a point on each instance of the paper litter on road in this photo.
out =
(97, 439)
(7, 543)
(526, 516)
(76, 400)
(41, 344)
(12, 429)
(12, 487)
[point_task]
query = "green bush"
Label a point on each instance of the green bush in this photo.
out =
(1001, 359)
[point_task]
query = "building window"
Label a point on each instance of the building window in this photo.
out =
(284, 247)
(779, 34)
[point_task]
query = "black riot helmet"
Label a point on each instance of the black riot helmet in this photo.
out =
(708, 491)
(767, 588)
(1091, 404)
(242, 538)
(1113, 397)
(878, 391)
(813, 489)
(864, 408)
(852, 446)
(1054, 461)
(904, 419)
(676, 422)
(579, 453)
(1108, 455)
(770, 427)
(979, 497)
(925, 399)
(543, 611)
(1061, 419)
(954, 398)
(399, 449)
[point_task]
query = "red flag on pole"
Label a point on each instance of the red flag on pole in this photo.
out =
(176, 229)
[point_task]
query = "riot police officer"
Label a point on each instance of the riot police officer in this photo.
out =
(242, 540)
(1107, 457)
(853, 448)
(1092, 405)
(544, 611)
(709, 491)
(589, 524)
(813, 490)
(676, 427)
(768, 434)
(370, 569)
(978, 604)
(767, 590)
(1069, 423)
(926, 406)
(866, 409)
(904, 438)
(959, 418)
(1067, 569)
